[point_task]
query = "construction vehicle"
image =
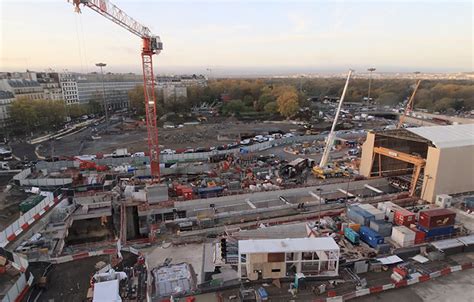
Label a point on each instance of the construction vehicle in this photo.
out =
(409, 106)
(329, 171)
(151, 45)
(325, 170)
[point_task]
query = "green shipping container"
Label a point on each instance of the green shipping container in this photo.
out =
(30, 203)
(351, 235)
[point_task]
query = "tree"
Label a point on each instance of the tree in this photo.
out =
(444, 104)
(389, 98)
(248, 100)
(233, 107)
(23, 116)
(271, 107)
(30, 115)
(137, 100)
(263, 100)
(94, 107)
(76, 110)
(288, 103)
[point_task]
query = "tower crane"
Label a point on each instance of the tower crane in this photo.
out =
(409, 106)
(151, 45)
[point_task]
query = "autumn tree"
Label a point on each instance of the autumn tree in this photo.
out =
(288, 103)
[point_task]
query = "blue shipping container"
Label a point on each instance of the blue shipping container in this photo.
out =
(382, 227)
(371, 237)
(434, 232)
(359, 215)
(210, 191)
(351, 235)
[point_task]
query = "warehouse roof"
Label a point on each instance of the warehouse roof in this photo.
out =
(447, 136)
(287, 245)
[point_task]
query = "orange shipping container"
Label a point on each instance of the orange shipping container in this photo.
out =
(355, 226)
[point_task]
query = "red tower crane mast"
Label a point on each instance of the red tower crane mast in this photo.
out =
(151, 45)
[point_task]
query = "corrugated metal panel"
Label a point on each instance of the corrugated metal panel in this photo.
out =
(447, 136)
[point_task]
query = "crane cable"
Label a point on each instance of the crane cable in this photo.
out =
(79, 44)
(84, 48)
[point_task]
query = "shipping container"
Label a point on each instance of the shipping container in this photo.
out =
(403, 236)
(209, 191)
(435, 232)
(383, 248)
(351, 235)
(378, 215)
(359, 215)
(419, 236)
(436, 218)
(382, 227)
(355, 226)
(403, 217)
(371, 237)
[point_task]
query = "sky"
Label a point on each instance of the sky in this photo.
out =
(243, 36)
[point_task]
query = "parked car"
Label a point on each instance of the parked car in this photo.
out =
(245, 142)
(167, 151)
(189, 150)
(233, 145)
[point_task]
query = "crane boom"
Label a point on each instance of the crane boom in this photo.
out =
(409, 106)
(151, 45)
(330, 139)
(116, 15)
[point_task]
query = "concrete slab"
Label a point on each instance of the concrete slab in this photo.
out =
(190, 253)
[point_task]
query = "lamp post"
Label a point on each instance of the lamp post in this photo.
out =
(372, 69)
(101, 65)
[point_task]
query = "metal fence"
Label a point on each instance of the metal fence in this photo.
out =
(182, 157)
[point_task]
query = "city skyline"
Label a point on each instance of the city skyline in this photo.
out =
(244, 37)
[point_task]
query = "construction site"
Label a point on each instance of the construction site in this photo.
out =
(359, 204)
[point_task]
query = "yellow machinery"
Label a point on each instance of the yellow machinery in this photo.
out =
(330, 171)
(418, 162)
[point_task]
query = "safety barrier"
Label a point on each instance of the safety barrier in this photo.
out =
(403, 283)
(27, 219)
(19, 288)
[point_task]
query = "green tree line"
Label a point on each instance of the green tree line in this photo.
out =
(34, 116)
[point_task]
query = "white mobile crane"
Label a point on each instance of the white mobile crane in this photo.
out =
(323, 170)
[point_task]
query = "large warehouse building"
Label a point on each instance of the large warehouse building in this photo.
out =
(434, 160)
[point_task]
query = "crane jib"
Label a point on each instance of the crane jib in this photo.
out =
(151, 45)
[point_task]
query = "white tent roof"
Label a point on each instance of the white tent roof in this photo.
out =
(287, 245)
(447, 136)
(107, 291)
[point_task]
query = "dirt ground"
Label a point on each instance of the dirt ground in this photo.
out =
(135, 140)
(70, 281)
(9, 201)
